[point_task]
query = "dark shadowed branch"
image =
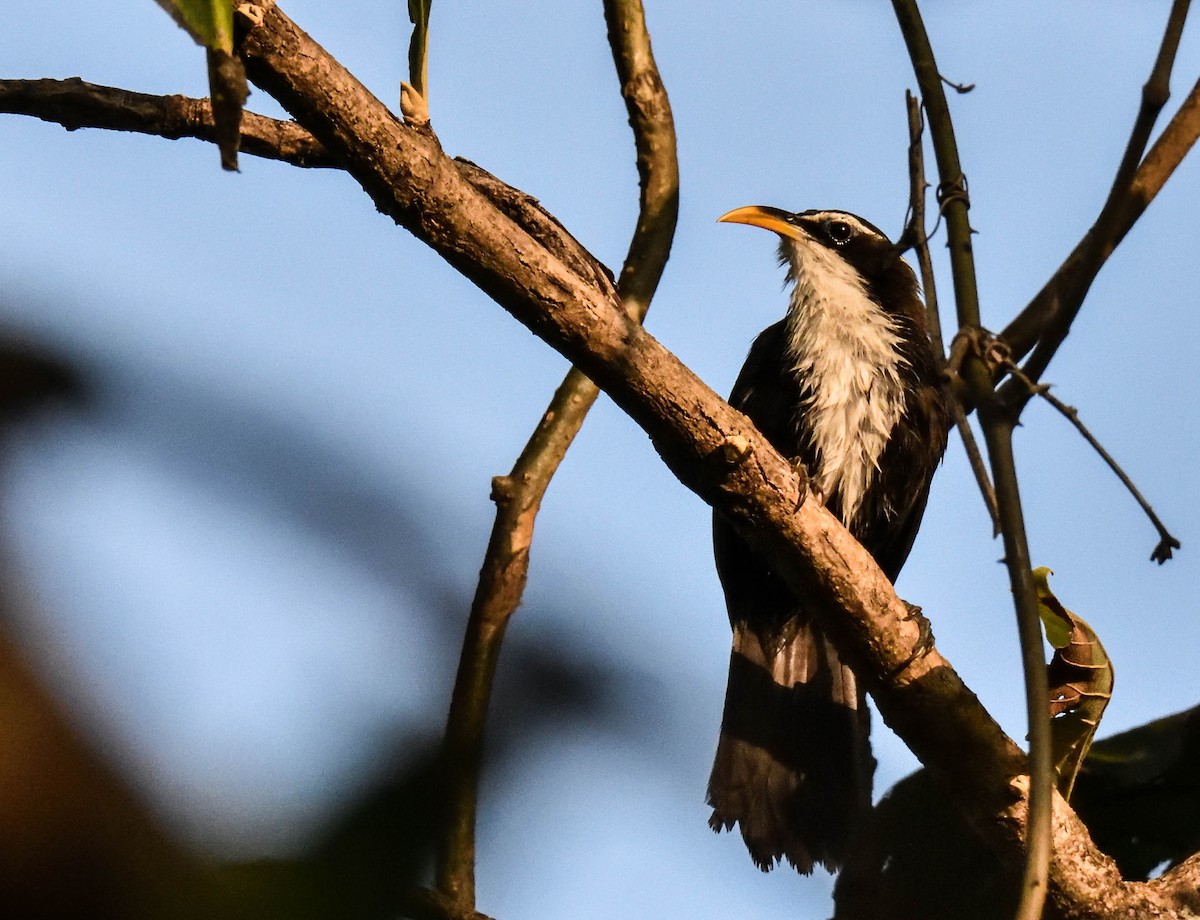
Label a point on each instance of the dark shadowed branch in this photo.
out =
(997, 428)
(916, 235)
(952, 183)
(518, 495)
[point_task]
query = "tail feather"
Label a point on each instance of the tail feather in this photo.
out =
(793, 766)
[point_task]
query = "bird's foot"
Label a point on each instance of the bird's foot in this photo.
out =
(925, 640)
(806, 486)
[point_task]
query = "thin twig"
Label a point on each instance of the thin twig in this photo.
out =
(914, 234)
(1166, 542)
(945, 148)
(519, 495)
(1046, 320)
(960, 88)
(997, 429)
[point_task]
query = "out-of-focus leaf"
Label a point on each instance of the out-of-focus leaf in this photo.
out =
(229, 91)
(1081, 681)
(209, 22)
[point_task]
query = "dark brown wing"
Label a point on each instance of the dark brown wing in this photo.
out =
(793, 766)
(768, 395)
(894, 505)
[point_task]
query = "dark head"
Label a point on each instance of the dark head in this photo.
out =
(832, 239)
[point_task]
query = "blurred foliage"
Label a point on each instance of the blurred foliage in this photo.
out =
(79, 841)
(210, 23)
(69, 815)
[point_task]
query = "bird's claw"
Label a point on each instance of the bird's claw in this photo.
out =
(806, 486)
(925, 641)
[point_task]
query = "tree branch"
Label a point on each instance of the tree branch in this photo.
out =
(1167, 543)
(76, 104)
(915, 235)
(530, 266)
(518, 495)
(997, 429)
(1047, 319)
(713, 449)
(952, 186)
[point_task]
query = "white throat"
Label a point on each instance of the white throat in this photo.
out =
(845, 349)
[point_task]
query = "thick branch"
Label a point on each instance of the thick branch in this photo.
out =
(710, 447)
(1062, 296)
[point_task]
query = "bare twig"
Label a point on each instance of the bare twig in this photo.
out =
(76, 104)
(518, 495)
(914, 234)
(1166, 542)
(960, 88)
(997, 429)
(952, 187)
(1046, 320)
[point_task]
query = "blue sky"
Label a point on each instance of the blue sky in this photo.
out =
(300, 409)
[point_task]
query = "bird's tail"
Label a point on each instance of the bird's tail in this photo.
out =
(793, 766)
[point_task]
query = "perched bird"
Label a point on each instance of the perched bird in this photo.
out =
(846, 385)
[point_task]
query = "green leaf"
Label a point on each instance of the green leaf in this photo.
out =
(1054, 615)
(1081, 680)
(209, 22)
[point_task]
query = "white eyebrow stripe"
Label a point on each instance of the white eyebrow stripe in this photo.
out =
(855, 224)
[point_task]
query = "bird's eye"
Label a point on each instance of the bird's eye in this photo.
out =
(839, 231)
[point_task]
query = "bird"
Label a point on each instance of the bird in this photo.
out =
(846, 385)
